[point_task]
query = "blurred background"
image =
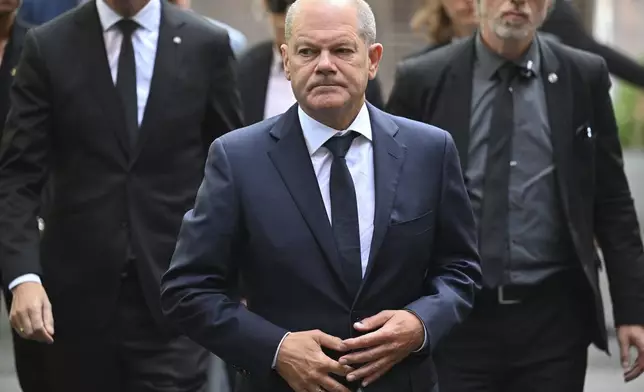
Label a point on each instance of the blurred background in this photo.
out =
(617, 23)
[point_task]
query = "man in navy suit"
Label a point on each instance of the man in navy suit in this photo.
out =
(350, 228)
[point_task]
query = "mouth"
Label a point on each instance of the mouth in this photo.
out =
(515, 15)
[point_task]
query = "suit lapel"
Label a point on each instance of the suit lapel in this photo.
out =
(558, 91)
(92, 46)
(166, 65)
(388, 157)
(291, 159)
(454, 99)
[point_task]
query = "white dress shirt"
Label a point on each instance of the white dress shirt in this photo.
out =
(279, 93)
(144, 41)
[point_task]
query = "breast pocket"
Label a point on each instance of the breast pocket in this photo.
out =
(412, 227)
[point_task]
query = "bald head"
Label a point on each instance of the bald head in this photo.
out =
(362, 10)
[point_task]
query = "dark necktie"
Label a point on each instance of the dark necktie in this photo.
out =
(494, 238)
(126, 79)
(344, 212)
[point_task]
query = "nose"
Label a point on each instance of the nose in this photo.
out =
(325, 63)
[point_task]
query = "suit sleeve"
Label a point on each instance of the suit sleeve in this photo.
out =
(24, 154)
(454, 277)
(224, 110)
(616, 227)
(195, 291)
(564, 22)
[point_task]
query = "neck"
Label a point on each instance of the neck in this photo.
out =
(461, 31)
(338, 119)
(127, 8)
(6, 24)
(510, 49)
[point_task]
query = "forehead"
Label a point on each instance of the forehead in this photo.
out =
(325, 21)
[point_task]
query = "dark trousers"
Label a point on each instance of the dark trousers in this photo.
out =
(134, 356)
(538, 345)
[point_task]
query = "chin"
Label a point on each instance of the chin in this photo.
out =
(327, 101)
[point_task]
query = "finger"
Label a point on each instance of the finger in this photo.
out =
(328, 384)
(369, 340)
(374, 322)
(23, 325)
(371, 369)
(633, 373)
(332, 342)
(337, 368)
(48, 318)
(366, 356)
(624, 351)
(375, 376)
(38, 325)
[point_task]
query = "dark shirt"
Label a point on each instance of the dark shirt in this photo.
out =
(538, 247)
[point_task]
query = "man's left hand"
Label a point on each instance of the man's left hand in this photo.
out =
(631, 336)
(395, 334)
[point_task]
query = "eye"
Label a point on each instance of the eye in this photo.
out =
(344, 50)
(305, 52)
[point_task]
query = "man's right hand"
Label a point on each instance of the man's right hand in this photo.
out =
(301, 362)
(31, 314)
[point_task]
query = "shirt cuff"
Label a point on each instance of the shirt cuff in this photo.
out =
(278, 351)
(424, 345)
(24, 279)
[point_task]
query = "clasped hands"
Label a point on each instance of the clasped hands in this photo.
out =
(390, 336)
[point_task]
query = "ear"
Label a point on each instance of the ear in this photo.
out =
(286, 61)
(375, 55)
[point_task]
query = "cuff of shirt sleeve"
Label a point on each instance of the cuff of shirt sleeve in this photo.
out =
(278, 350)
(24, 279)
(424, 345)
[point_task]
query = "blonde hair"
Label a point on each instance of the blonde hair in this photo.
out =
(432, 21)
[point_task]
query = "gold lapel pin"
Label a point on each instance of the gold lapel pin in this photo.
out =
(13, 71)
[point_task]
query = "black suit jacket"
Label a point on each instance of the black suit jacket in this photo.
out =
(254, 69)
(10, 59)
(259, 212)
(436, 88)
(67, 122)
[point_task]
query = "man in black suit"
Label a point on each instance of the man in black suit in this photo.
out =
(117, 101)
(351, 228)
(265, 91)
(533, 123)
(27, 354)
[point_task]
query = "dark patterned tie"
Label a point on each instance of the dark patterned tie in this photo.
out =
(344, 211)
(494, 244)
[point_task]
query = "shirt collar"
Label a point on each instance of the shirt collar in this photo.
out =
(489, 62)
(149, 17)
(316, 133)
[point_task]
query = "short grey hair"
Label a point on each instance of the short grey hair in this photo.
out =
(366, 19)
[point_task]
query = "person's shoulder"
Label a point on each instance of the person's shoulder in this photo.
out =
(435, 59)
(579, 59)
(59, 27)
(260, 50)
(197, 24)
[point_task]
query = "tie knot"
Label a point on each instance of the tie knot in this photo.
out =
(339, 145)
(507, 72)
(127, 27)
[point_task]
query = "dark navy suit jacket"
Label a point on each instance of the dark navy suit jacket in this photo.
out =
(37, 12)
(259, 213)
